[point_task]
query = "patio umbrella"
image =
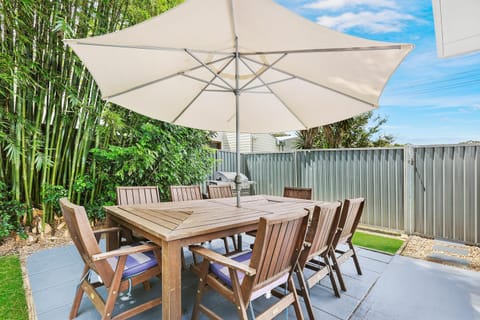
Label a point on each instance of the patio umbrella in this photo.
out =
(239, 65)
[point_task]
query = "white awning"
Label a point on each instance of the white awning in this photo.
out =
(457, 26)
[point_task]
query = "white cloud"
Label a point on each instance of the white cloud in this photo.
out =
(374, 22)
(340, 4)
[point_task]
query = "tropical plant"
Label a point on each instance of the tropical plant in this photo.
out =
(11, 213)
(52, 115)
(358, 132)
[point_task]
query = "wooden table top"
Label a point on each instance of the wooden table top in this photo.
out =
(177, 220)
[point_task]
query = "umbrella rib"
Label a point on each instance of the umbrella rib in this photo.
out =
(257, 75)
(216, 74)
(319, 50)
(217, 90)
(200, 92)
(159, 48)
(268, 83)
(207, 82)
(314, 83)
(156, 48)
(276, 96)
(161, 79)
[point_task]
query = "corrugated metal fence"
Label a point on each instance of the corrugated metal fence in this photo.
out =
(446, 187)
(433, 191)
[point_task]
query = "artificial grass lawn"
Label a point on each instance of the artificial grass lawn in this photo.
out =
(375, 242)
(13, 305)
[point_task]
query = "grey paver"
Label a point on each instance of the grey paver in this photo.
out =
(447, 258)
(457, 250)
(382, 257)
(416, 289)
(449, 243)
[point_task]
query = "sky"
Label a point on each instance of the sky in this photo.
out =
(429, 100)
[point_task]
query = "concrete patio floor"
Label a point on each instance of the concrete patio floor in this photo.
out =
(391, 287)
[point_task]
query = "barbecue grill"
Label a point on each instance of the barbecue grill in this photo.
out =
(228, 178)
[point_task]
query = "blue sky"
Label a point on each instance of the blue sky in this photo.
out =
(428, 100)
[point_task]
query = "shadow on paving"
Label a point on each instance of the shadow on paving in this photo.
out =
(384, 291)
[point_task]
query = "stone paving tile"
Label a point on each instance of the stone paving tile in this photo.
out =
(370, 264)
(440, 257)
(323, 299)
(417, 289)
(457, 250)
(44, 301)
(449, 243)
(386, 258)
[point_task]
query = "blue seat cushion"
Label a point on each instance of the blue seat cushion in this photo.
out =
(222, 272)
(136, 263)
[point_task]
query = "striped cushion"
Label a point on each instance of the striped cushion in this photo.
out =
(222, 272)
(136, 263)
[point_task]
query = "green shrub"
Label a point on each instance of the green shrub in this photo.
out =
(11, 212)
(50, 199)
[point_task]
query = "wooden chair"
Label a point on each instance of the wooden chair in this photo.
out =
(254, 273)
(119, 269)
(222, 191)
(319, 246)
(291, 192)
(137, 195)
(299, 193)
(349, 219)
(185, 193)
(219, 191)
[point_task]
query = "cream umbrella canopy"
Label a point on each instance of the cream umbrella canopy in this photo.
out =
(239, 65)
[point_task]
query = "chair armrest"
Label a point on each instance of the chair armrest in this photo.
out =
(124, 251)
(218, 258)
(108, 230)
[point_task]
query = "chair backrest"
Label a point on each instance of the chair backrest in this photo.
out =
(276, 250)
(84, 239)
(322, 230)
(349, 219)
(216, 191)
(185, 193)
(137, 195)
(299, 193)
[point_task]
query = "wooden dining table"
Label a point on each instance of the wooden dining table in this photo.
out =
(173, 225)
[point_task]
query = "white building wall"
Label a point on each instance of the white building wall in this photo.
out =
(264, 143)
(229, 142)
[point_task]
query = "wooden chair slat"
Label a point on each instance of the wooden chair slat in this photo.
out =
(137, 195)
(185, 193)
(219, 191)
(299, 193)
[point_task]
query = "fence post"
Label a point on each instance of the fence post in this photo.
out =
(409, 189)
(295, 168)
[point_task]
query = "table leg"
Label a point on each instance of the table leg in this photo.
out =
(239, 242)
(112, 237)
(171, 280)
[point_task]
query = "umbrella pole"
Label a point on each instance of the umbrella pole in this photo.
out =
(237, 120)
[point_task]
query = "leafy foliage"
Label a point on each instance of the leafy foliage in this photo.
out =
(359, 132)
(51, 196)
(52, 115)
(11, 212)
(162, 155)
